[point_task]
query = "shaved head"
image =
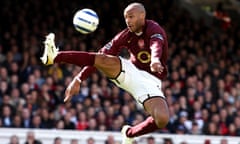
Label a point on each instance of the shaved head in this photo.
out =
(134, 15)
(135, 6)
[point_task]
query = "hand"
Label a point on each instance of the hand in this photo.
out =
(72, 89)
(156, 67)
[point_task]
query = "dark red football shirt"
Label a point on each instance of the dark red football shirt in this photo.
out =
(149, 46)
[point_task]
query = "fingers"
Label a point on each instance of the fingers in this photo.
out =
(72, 89)
(161, 68)
(67, 96)
(157, 68)
(69, 93)
(154, 69)
(66, 99)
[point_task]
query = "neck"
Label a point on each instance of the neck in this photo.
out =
(138, 33)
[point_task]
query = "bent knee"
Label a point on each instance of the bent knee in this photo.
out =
(162, 120)
(109, 65)
(158, 109)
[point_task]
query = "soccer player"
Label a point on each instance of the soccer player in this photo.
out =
(141, 75)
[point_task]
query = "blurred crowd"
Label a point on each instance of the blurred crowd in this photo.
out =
(32, 139)
(202, 89)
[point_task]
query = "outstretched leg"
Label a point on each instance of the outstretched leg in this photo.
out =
(75, 57)
(109, 65)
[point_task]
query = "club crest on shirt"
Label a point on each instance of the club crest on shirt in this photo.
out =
(141, 43)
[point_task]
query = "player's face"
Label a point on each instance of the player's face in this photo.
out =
(133, 20)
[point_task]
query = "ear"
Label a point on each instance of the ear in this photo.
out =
(142, 15)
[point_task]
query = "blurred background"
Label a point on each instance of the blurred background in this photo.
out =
(202, 89)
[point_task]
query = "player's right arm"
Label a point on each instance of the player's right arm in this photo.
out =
(74, 86)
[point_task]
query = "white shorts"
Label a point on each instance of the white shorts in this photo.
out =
(140, 84)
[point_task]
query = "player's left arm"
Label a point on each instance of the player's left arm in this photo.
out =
(156, 46)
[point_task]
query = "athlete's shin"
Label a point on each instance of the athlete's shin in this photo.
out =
(142, 128)
(75, 57)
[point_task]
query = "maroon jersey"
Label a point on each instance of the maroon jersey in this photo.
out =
(149, 46)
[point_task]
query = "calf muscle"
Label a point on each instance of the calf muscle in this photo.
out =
(158, 109)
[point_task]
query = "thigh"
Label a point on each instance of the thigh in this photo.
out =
(157, 107)
(140, 84)
(108, 64)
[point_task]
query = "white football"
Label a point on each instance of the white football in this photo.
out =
(85, 21)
